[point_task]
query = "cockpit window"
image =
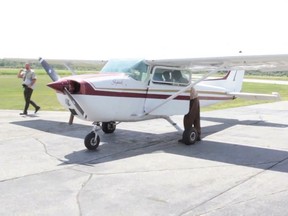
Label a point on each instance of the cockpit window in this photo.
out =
(137, 69)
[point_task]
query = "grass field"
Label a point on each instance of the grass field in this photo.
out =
(11, 96)
(12, 93)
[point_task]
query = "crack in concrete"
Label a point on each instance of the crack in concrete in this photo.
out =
(244, 201)
(165, 170)
(257, 197)
(82, 163)
(189, 210)
(46, 150)
(79, 192)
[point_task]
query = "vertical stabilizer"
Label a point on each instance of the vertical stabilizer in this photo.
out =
(234, 80)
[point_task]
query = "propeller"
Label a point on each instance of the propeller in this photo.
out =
(55, 77)
(70, 69)
(50, 71)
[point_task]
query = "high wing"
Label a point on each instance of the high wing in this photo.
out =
(264, 63)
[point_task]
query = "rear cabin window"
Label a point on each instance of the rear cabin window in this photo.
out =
(170, 76)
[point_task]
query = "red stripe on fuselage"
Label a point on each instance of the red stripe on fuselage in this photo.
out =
(87, 89)
(91, 91)
(150, 96)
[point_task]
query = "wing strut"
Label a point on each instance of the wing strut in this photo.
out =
(192, 84)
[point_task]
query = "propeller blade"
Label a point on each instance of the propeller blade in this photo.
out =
(70, 69)
(49, 70)
(54, 76)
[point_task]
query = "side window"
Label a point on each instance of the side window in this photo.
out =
(179, 77)
(171, 76)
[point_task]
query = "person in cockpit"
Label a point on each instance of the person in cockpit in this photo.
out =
(178, 77)
(167, 76)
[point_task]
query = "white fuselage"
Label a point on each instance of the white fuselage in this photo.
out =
(118, 97)
(134, 90)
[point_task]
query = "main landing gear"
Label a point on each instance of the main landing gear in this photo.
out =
(190, 136)
(92, 140)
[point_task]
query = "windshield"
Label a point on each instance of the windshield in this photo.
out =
(137, 69)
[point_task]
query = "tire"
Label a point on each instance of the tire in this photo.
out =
(90, 142)
(108, 127)
(190, 136)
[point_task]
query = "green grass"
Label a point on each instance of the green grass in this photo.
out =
(11, 94)
(252, 88)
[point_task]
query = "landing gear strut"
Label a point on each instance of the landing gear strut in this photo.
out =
(92, 140)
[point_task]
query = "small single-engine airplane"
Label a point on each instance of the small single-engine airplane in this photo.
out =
(135, 90)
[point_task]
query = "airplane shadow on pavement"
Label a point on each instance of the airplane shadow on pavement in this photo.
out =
(128, 143)
(125, 144)
(55, 127)
(226, 123)
(228, 153)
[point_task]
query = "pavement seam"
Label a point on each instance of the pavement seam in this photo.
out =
(256, 197)
(187, 211)
(79, 192)
(165, 170)
(79, 164)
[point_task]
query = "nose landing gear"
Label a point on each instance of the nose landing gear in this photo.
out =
(92, 140)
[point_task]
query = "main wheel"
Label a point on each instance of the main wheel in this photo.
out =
(108, 127)
(90, 142)
(190, 136)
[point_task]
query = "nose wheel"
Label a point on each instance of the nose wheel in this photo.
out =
(92, 141)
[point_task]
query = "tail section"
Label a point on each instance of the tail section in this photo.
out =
(234, 80)
(231, 82)
(233, 85)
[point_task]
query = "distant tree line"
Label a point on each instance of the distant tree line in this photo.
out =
(94, 65)
(80, 65)
(261, 73)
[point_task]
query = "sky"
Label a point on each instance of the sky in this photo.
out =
(151, 29)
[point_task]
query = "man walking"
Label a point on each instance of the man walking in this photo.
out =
(29, 79)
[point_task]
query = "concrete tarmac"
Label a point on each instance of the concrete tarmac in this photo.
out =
(239, 168)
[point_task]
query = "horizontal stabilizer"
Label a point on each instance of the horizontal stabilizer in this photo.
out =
(254, 96)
